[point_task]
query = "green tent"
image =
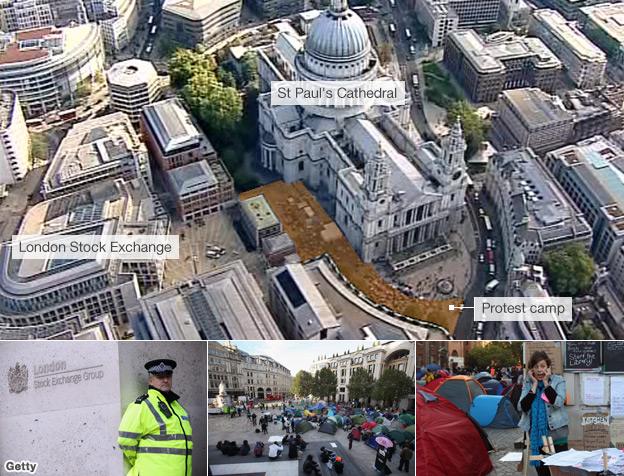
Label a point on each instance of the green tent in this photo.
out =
(381, 429)
(358, 419)
(337, 419)
(407, 419)
(298, 413)
(379, 419)
(303, 426)
(400, 436)
(410, 429)
(357, 412)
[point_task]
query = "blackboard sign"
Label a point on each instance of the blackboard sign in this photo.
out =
(582, 355)
(380, 459)
(613, 356)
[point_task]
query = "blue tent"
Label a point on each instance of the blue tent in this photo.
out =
(493, 387)
(371, 441)
(331, 412)
(494, 411)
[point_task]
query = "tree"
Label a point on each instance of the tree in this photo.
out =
(249, 67)
(38, 146)
(303, 384)
(226, 77)
(385, 53)
(325, 382)
(586, 331)
(83, 89)
(393, 385)
(361, 384)
(570, 270)
(475, 128)
(184, 64)
(500, 354)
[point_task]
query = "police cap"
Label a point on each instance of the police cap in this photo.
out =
(161, 366)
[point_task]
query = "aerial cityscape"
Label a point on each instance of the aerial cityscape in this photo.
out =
(500, 174)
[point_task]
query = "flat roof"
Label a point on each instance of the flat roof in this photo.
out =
(535, 107)
(260, 212)
(192, 178)
(132, 72)
(609, 17)
(197, 10)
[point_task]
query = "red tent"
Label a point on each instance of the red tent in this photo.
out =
(447, 440)
(459, 389)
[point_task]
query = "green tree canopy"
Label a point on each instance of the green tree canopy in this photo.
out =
(586, 331)
(570, 270)
(361, 384)
(393, 385)
(184, 64)
(303, 384)
(249, 67)
(325, 382)
(475, 128)
(501, 354)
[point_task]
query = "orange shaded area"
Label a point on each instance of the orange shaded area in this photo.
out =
(13, 54)
(35, 34)
(315, 233)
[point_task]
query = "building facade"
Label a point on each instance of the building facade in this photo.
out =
(118, 19)
(534, 215)
(602, 25)
(18, 15)
(45, 66)
(584, 62)
(254, 376)
(487, 66)
(98, 149)
(14, 140)
(475, 13)
(133, 84)
(438, 18)
(258, 220)
(400, 355)
(200, 21)
(270, 9)
(355, 158)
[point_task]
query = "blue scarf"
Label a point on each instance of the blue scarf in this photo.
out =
(539, 422)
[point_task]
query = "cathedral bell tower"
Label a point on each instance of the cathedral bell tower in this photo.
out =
(376, 176)
(452, 166)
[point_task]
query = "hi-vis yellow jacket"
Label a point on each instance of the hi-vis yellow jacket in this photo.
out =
(156, 437)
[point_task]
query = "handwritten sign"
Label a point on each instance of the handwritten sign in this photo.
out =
(617, 396)
(595, 431)
(593, 389)
(617, 432)
(613, 356)
(582, 355)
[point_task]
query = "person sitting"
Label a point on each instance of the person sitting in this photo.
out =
(326, 455)
(300, 442)
(310, 466)
(224, 447)
(233, 449)
(285, 440)
(245, 449)
(293, 452)
(338, 465)
(258, 449)
(275, 451)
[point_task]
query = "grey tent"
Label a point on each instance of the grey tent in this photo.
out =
(303, 426)
(328, 426)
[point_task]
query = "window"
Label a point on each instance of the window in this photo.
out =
(300, 166)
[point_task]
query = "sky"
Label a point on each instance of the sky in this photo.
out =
(298, 355)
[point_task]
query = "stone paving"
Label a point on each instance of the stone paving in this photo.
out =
(503, 442)
(359, 459)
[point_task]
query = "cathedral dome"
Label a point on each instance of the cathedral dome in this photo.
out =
(338, 34)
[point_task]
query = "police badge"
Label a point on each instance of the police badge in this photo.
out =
(18, 378)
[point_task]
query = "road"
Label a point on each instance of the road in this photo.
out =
(150, 38)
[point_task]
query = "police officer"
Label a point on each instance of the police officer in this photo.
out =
(155, 432)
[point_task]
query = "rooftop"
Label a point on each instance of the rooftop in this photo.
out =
(197, 10)
(192, 178)
(132, 72)
(260, 212)
(489, 54)
(609, 17)
(224, 303)
(535, 107)
(7, 104)
(567, 32)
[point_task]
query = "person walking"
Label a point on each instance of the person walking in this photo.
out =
(155, 432)
(542, 406)
(404, 458)
(264, 427)
(292, 425)
(254, 417)
(350, 438)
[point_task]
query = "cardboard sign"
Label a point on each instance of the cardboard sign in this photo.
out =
(617, 432)
(595, 431)
(553, 349)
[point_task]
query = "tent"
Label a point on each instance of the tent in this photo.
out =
(358, 419)
(460, 390)
(397, 425)
(328, 426)
(493, 387)
(513, 392)
(308, 413)
(331, 412)
(371, 441)
(379, 420)
(369, 425)
(399, 437)
(337, 419)
(448, 441)
(298, 413)
(494, 411)
(411, 429)
(407, 419)
(483, 376)
(381, 429)
(303, 426)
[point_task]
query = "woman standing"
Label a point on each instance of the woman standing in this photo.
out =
(542, 406)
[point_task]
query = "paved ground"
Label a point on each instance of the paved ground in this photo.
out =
(21, 195)
(503, 441)
(220, 427)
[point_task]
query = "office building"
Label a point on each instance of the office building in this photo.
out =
(14, 140)
(439, 19)
(172, 136)
(18, 15)
(399, 355)
(596, 112)
(604, 26)
(98, 149)
(200, 189)
(118, 19)
(528, 117)
(133, 84)
(533, 213)
(270, 9)
(193, 22)
(45, 66)
(47, 294)
(514, 14)
(487, 66)
(584, 62)
(224, 303)
(243, 374)
(475, 13)
(258, 220)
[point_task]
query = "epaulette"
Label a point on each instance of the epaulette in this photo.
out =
(141, 398)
